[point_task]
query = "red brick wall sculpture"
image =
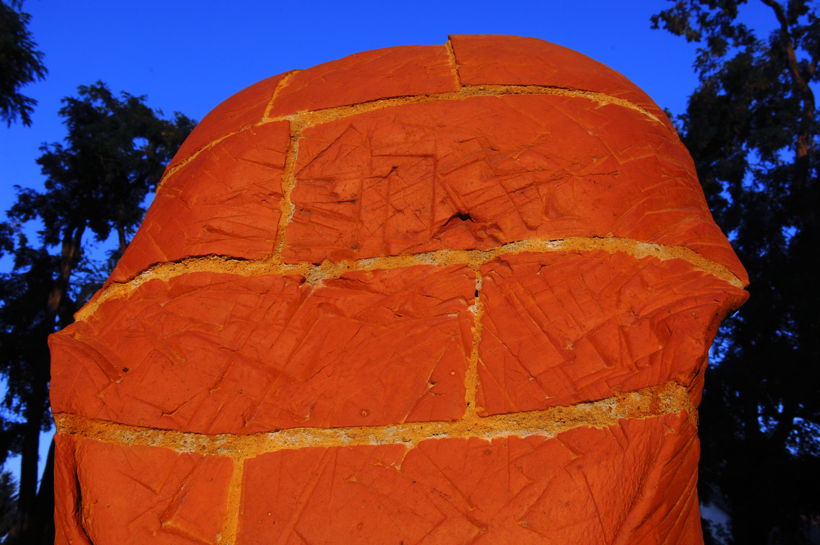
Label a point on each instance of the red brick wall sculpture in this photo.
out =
(434, 295)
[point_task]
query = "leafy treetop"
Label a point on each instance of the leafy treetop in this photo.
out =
(20, 63)
(751, 126)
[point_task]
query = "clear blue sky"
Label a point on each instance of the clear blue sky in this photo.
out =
(188, 55)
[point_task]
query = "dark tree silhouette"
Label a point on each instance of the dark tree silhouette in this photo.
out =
(8, 506)
(20, 63)
(751, 126)
(96, 182)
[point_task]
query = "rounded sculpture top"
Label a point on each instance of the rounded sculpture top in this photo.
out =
(417, 294)
(483, 141)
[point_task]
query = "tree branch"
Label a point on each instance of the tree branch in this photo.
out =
(787, 43)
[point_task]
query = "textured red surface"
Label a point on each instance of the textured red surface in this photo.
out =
(568, 327)
(395, 181)
(137, 495)
(244, 109)
(237, 216)
(365, 76)
(515, 60)
(357, 284)
(369, 348)
(585, 486)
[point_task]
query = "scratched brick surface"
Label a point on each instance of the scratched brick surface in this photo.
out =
(217, 353)
(242, 110)
(515, 60)
(568, 327)
(136, 495)
(483, 171)
(586, 486)
(237, 216)
(431, 295)
(365, 76)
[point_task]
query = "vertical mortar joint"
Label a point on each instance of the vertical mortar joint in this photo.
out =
(471, 374)
(286, 206)
(230, 528)
(451, 55)
(279, 86)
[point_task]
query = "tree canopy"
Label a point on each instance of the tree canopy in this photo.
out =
(96, 182)
(21, 63)
(751, 126)
(115, 152)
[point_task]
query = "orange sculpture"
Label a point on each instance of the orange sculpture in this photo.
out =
(428, 295)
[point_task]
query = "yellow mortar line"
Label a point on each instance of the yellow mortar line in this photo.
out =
(471, 374)
(281, 85)
(451, 56)
(233, 504)
(314, 274)
(310, 118)
(170, 171)
(286, 207)
(326, 115)
(670, 398)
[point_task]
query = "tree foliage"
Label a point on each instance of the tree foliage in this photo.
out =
(751, 126)
(20, 63)
(115, 152)
(95, 183)
(8, 506)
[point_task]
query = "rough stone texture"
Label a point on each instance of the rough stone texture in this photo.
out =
(457, 294)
